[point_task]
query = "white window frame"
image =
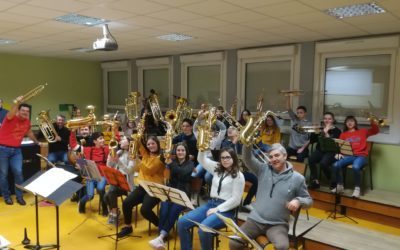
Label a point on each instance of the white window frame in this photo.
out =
(115, 66)
(205, 59)
(361, 47)
(269, 54)
(156, 63)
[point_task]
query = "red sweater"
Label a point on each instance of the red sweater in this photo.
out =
(358, 139)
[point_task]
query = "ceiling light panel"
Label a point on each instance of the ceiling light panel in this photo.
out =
(355, 10)
(176, 37)
(4, 41)
(81, 20)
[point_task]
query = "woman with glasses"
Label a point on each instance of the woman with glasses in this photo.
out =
(226, 193)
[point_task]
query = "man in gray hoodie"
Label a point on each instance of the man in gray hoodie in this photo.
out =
(281, 190)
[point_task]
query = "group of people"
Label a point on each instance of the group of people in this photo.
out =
(226, 165)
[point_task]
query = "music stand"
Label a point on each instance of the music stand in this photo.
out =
(89, 171)
(343, 147)
(54, 185)
(116, 178)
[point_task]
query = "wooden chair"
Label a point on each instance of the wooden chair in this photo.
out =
(364, 169)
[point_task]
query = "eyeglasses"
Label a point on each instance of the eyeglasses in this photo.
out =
(226, 157)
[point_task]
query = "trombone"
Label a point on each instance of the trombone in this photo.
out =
(294, 92)
(31, 93)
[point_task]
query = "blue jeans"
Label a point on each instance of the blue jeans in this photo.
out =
(53, 157)
(200, 215)
(90, 184)
(358, 163)
(169, 214)
(10, 158)
(200, 172)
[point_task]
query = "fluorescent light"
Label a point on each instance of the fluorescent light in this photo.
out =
(5, 41)
(81, 20)
(82, 50)
(175, 37)
(355, 10)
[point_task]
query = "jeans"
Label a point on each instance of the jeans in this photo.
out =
(169, 214)
(300, 156)
(90, 185)
(200, 215)
(53, 157)
(10, 158)
(358, 163)
(200, 172)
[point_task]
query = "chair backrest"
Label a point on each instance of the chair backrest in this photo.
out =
(299, 166)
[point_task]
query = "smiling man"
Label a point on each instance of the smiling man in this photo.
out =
(15, 126)
(281, 191)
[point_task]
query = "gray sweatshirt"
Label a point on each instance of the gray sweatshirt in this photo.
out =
(275, 190)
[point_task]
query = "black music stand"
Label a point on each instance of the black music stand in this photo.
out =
(89, 171)
(56, 192)
(343, 147)
(116, 178)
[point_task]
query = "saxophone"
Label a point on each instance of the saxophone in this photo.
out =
(136, 138)
(249, 131)
(46, 126)
(204, 134)
(170, 121)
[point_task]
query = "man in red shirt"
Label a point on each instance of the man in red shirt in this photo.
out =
(15, 126)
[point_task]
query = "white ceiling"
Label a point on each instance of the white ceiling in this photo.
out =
(215, 24)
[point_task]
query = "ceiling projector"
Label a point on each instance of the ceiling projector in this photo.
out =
(107, 43)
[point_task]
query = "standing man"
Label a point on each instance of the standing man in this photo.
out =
(15, 126)
(58, 151)
(281, 190)
(3, 112)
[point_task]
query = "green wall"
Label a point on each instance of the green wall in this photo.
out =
(69, 81)
(385, 167)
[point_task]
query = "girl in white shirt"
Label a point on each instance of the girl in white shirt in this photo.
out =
(226, 193)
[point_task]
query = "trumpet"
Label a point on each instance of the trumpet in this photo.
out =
(380, 121)
(31, 93)
(76, 123)
(311, 129)
(46, 126)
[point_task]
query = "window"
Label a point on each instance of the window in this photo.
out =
(156, 74)
(116, 85)
(203, 79)
(357, 77)
(263, 73)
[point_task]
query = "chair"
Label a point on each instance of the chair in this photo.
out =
(263, 241)
(368, 165)
(195, 189)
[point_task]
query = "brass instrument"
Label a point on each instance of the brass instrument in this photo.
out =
(132, 109)
(113, 143)
(260, 103)
(380, 121)
(183, 111)
(135, 143)
(155, 108)
(311, 129)
(76, 123)
(231, 120)
(248, 132)
(170, 120)
(46, 126)
(31, 93)
(294, 92)
(204, 135)
(233, 109)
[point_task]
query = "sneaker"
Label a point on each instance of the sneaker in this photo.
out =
(81, 207)
(338, 189)
(125, 231)
(356, 192)
(8, 201)
(314, 185)
(112, 219)
(157, 244)
(74, 198)
(21, 201)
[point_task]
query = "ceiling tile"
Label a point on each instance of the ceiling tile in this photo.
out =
(265, 24)
(177, 3)
(143, 21)
(241, 16)
(211, 8)
(174, 15)
(6, 5)
(323, 5)
(32, 11)
(284, 9)
(106, 13)
(174, 28)
(231, 28)
(206, 22)
(381, 28)
(360, 20)
(254, 3)
(308, 17)
(137, 6)
(60, 5)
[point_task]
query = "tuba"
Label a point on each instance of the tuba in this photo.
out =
(132, 106)
(135, 143)
(183, 111)
(76, 123)
(46, 126)
(155, 108)
(249, 131)
(204, 135)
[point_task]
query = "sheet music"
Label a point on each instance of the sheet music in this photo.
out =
(4, 243)
(50, 181)
(204, 228)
